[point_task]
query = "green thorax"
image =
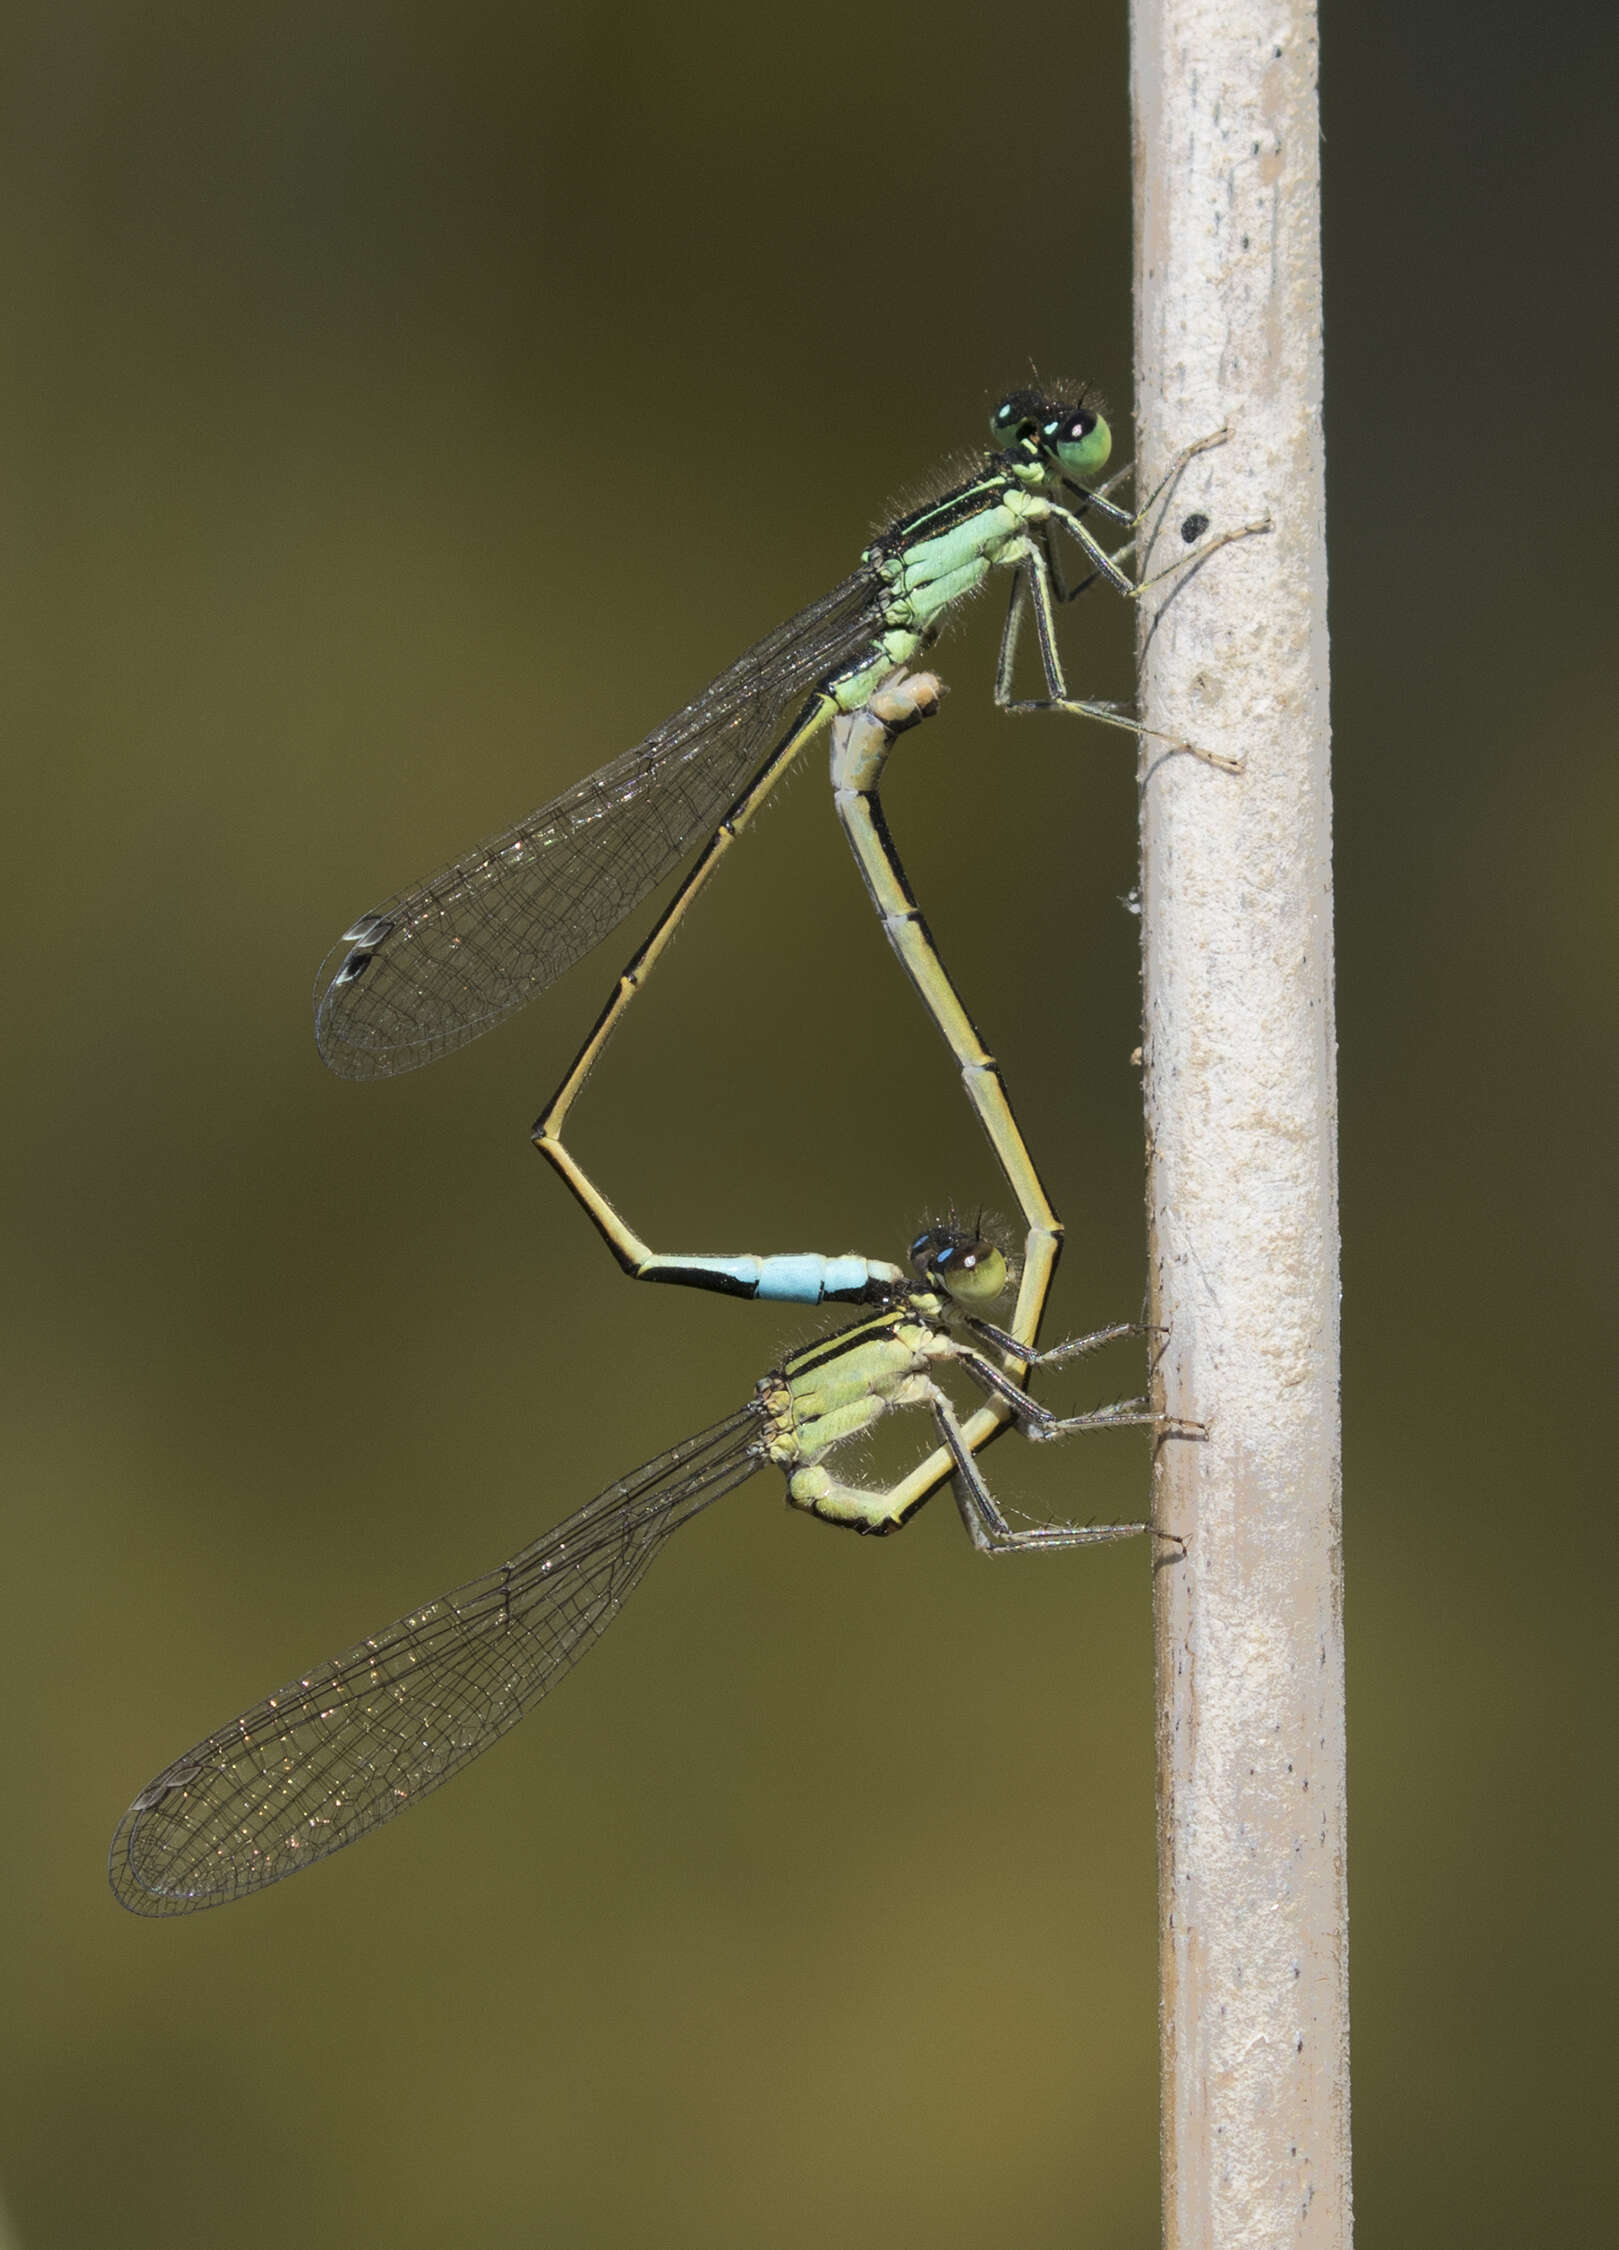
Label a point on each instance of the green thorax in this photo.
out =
(944, 550)
(834, 1389)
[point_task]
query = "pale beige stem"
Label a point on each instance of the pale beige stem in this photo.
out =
(1237, 898)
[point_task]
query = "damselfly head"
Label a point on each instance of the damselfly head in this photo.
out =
(1061, 424)
(970, 1270)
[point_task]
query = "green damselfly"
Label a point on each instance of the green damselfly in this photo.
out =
(437, 965)
(336, 1753)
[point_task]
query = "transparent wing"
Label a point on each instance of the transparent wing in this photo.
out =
(339, 1752)
(425, 972)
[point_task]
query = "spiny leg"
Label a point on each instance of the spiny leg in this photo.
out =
(1192, 530)
(1105, 563)
(1086, 497)
(987, 1527)
(1033, 583)
(1071, 1348)
(1200, 555)
(1108, 563)
(1097, 495)
(1061, 592)
(1024, 593)
(1039, 1422)
(1057, 577)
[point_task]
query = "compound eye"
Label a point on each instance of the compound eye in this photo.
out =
(970, 1270)
(1018, 418)
(1080, 439)
(977, 1273)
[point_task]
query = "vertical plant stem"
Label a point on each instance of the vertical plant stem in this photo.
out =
(1237, 919)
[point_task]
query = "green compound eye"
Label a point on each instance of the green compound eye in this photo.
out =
(1019, 417)
(968, 1269)
(1080, 440)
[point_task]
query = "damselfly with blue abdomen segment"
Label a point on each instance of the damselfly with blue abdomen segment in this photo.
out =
(335, 1754)
(431, 969)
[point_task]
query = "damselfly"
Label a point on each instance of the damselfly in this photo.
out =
(338, 1752)
(434, 967)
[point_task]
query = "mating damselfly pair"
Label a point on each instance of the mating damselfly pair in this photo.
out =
(340, 1750)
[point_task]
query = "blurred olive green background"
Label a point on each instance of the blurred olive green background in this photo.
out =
(410, 406)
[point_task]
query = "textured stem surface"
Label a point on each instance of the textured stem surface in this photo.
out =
(1237, 920)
